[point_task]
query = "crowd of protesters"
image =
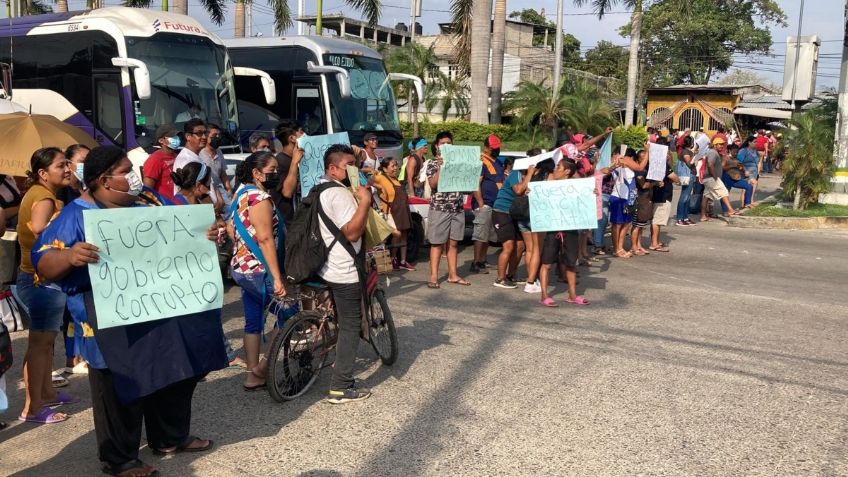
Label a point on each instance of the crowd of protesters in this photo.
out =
(252, 213)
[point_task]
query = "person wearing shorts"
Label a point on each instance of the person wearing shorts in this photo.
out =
(663, 192)
(491, 180)
(561, 249)
(445, 221)
(714, 189)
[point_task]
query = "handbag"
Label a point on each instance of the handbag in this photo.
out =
(6, 358)
(10, 312)
(520, 208)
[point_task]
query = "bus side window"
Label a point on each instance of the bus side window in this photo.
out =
(108, 104)
(308, 109)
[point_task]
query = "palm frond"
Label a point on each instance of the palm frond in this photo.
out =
(461, 24)
(216, 10)
(38, 7)
(137, 3)
(369, 8)
(602, 7)
(282, 15)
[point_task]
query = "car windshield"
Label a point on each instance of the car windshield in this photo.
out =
(190, 77)
(371, 106)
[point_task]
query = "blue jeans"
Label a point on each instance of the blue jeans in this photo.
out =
(740, 184)
(683, 202)
(45, 305)
(598, 233)
(252, 287)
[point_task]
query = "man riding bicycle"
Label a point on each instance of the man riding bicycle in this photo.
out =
(340, 271)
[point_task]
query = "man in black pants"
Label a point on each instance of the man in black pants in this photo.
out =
(344, 241)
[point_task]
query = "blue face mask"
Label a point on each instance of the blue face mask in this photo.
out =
(174, 143)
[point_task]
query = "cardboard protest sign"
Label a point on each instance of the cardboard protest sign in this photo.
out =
(657, 160)
(703, 143)
(155, 263)
(605, 154)
(461, 168)
(312, 164)
(568, 204)
(524, 163)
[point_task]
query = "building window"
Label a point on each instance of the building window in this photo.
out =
(725, 115)
(691, 118)
(452, 69)
(661, 118)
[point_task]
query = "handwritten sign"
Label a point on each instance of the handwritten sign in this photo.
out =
(657, 160)
(524, 163)
(568, 204)
(312, 164)
(155, 263)
(461, 168)
(605, 154)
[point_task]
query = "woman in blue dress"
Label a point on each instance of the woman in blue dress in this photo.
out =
(141, 372)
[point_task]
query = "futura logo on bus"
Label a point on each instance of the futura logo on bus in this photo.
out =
(174, 26)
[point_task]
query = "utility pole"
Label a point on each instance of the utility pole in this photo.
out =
(557, 59)
(300, 8)
(413, 9)
(797, 56)
(840, 149)
(249, 14)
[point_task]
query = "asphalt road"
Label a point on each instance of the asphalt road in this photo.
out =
(727, 356)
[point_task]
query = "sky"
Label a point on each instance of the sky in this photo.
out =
(821, 17)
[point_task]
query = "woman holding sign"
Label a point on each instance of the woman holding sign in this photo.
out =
(258, 234)
(395, 204)
(146, 371)
(49, 172)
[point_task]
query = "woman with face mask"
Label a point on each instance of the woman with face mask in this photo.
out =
(76, 154)
(258, 232)
(49, 172)
(142, 372)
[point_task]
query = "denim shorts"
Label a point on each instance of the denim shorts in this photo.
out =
(45, 305)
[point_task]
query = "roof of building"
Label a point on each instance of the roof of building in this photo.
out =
(710, 88)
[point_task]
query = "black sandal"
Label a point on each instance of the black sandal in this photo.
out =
(120, 470)
(185, 447)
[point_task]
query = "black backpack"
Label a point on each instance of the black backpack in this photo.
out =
(306, 252)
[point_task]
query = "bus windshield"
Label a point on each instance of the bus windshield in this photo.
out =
(190, 77)
(371, 106)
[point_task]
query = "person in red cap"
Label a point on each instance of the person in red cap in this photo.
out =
(491, 180)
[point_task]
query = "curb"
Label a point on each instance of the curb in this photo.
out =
(788, 223)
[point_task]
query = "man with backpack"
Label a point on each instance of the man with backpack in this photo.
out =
(331, 211)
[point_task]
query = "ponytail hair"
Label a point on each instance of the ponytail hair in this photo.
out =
(41, 159)
(190, 175)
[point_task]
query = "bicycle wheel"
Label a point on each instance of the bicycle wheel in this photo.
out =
(381, 329)
(297, 356)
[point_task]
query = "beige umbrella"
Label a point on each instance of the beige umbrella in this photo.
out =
(21, 134)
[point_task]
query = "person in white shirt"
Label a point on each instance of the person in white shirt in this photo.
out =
(196, 138)
(340, 272)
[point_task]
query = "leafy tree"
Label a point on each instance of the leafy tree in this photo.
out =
(741, 76)
(577, 105)
(446, 93)
(607, 59)
(690, 41)
(570, 43)
(418, 60)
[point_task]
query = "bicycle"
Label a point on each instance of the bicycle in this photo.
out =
(301, 349)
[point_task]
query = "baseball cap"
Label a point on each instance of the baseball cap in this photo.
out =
(493, 141)
(578, 138)
(718, 140)
(369, 136)
(166, 130)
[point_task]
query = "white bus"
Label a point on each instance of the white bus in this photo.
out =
(119, 73)
(327, 85)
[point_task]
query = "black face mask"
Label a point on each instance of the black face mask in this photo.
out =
(272, 181)
(496, 153)
(215, 143)
(346, 181)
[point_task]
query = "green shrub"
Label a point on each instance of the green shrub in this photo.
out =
(463, 131)
(634, 136)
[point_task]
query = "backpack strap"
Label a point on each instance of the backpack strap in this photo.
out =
(338, 236)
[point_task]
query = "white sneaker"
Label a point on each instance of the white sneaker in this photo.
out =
(534, 287)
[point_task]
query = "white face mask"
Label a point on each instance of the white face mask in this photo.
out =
(134, 182)
(79, 172)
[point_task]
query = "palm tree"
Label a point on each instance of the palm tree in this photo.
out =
(809, 160)
(461, 26)
(369, 8)
(534, 103)
(481, 23)
(447, 93)
(601, 7)
(498, 46)
(578, 105)
(215, 8)
(418, 60)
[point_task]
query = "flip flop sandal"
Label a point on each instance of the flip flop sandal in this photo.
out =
(661, 248)
(59, 381)
(123, 469)
(45, 416)
(578, 300)
(433, 285)
(549, 302)
(255, 387)
(62, 398)
(461, 281)
(639, 253)
(185, 447)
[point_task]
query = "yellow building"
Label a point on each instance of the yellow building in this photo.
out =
(697, 107)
